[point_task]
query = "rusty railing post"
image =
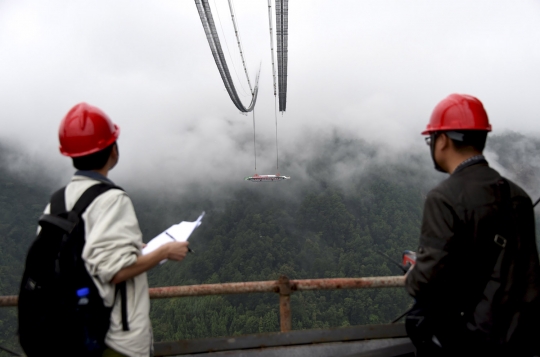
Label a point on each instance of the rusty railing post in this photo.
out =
(284, 289)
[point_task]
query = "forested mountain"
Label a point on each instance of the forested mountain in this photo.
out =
(256, 237)
(328, 223)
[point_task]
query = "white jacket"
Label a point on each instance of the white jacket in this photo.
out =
(113, 242)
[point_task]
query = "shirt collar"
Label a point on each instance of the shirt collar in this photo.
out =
(473, 160)
(93, 175)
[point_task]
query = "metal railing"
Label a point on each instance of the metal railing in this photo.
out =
(283, 286)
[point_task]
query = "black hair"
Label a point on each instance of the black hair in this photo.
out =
(94, 161)
(470, 139)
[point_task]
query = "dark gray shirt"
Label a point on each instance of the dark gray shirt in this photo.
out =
(455, 257)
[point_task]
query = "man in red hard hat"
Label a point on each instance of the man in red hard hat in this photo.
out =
(113, 240)
(476, 281)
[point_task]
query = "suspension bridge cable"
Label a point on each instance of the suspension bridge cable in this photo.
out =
(230, 55)
(236, 32)
(274, 77)
(209, 27)
(272, 43)
(282, 34)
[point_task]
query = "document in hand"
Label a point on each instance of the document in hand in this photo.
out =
(178, 232)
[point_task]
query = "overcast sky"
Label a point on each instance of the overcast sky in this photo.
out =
(372, 69)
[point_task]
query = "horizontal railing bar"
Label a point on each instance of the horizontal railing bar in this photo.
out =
(9, 300)
(348, 283)
(274, 286)
(214, 289)
(259, 287)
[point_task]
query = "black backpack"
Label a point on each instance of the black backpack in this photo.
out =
(60, 310)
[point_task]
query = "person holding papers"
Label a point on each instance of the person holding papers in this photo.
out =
(113, 248)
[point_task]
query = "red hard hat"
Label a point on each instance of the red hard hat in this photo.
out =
(458, 112)
(85, 130)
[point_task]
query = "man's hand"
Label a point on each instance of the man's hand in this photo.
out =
(176, 250)
(173, 251)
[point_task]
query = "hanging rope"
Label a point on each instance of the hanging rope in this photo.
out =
(277, 154)
(215, 46)
(230, 56)
(254, 146)
(237, 33)
(282, 42)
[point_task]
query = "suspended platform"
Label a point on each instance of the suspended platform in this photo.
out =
(266, 178)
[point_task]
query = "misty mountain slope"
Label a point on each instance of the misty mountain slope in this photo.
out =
(517, 157)
(351, 200)
(249, 242)
(21, 204)
(347, 200)
(329, 233)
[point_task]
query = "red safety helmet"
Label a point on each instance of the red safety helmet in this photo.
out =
(458, 112)
(85, 130)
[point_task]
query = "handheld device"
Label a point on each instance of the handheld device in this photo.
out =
(408, 259)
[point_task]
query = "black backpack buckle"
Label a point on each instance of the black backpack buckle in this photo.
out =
(500, 240)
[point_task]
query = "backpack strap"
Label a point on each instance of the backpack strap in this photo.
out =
(495, 247)
(58, 207)
(80, 206)
(90, 195)
(58, 199)
(505, 231)
(58, 202)
(123, 295)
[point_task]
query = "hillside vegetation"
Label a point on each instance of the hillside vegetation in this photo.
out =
(326, 226)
